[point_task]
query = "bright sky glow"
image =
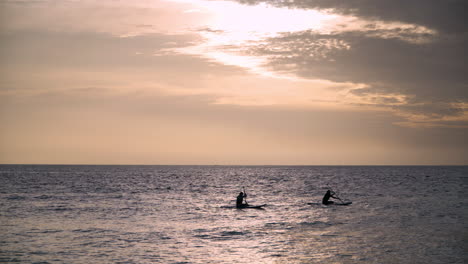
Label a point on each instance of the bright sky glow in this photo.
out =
(232, 24)
(232, 27)
(262, 18)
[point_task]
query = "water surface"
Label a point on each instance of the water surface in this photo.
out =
(178, 214)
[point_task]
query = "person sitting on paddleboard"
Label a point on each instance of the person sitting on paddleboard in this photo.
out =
(240, 200)
(327, 196)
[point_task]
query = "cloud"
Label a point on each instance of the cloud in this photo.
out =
(432, 74)
(445, 16)
(407, 56)
(399, 56)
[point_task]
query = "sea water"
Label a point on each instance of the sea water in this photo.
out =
(185, 214)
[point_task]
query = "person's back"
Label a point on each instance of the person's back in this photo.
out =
(326, 198)
(240, 200)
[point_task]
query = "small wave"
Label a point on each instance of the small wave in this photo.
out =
(49, 231)
(60, 208)
(232, 233)
(227, 207)
(39, 253)
(276, 255)
(202, 236)
(276, 224)
(93, 230)
(157, 235)
(9, 260)
(16, 197)
(225, 235)
(315, 223)
(44, 197)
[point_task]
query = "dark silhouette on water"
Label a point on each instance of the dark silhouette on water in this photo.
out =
(240, 200)
(327, 196)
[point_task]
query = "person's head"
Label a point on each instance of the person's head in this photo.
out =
(241, 193)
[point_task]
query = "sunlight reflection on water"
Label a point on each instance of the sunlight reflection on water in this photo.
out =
(178, 214)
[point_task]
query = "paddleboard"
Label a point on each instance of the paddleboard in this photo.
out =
(344, 203)
(251, 206)
(244, 207)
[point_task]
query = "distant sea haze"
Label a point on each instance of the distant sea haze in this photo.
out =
(186, 214)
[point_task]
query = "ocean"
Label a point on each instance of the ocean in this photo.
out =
(186, 214)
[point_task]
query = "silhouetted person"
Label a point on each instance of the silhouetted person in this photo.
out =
(240, 200)
(327, 197)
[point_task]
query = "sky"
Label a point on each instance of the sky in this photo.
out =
(240, 82)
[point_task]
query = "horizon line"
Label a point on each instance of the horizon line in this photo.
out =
(227, 165)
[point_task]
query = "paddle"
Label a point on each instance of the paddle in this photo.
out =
(245, 195)
(335, 196)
